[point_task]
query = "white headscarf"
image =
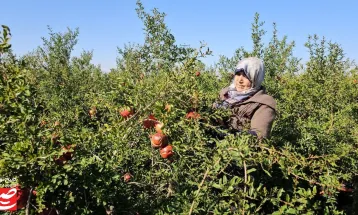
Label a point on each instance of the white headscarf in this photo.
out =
(254, 70)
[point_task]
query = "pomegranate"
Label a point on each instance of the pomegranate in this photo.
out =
(150, 122)
(166, 152)
(192, 115)
(127, 177)
(126, 113)
(158, 140)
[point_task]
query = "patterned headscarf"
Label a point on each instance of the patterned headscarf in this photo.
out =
(254, 70)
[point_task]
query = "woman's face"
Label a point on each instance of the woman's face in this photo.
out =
(242, 83)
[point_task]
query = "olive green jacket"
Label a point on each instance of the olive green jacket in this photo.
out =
(256, 113)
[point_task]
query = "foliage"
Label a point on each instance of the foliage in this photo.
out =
(63, 133)
(4, 39)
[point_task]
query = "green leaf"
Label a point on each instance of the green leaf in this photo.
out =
(280, 193)
(224, 179)
(250, 170)
(267, 172)
(217, 186)
(291, 211)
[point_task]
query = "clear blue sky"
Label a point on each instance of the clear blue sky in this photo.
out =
(224, 25)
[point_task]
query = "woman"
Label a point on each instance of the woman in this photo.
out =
(252, 109)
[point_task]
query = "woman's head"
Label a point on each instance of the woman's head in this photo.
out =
(241, 82)
(249, 75)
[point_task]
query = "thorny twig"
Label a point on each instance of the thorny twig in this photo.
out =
(148, 106)
(201, 184)
(85, 198)
(34, 206)
(136, 183)
(225, 166)
(299, 177)
(243, 211)
(316, 183)
(164, 164)
(28, 202)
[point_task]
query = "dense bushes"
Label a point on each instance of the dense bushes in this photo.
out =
(62, 133)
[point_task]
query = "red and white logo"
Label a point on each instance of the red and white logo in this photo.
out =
(8, 199)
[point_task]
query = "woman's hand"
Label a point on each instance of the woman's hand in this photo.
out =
(224, 94)
(217, 105)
